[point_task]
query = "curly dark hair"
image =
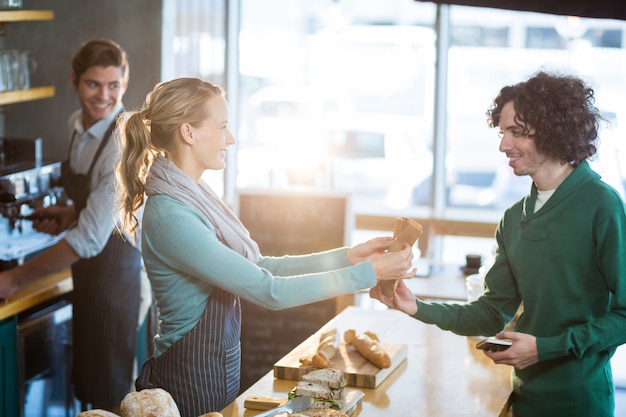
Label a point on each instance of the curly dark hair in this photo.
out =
(558, 110)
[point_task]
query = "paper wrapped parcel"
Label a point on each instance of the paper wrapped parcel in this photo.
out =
(407, 231)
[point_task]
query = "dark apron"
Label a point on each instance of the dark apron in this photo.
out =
(76, 186)
(105, 305)
(106, 309)
(201, 370)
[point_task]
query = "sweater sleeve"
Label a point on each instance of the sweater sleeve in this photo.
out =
(486, 316)
(187, 242)
(312, 263)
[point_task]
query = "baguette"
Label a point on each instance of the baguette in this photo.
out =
(326, 349)
(407, 231)
(369, 347)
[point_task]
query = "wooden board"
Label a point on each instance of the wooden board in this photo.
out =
(350, 401)
(358, 371)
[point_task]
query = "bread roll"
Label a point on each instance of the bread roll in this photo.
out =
(326, 349)
(154, 402)
(212, 414)
(320, 360)
(96, 413)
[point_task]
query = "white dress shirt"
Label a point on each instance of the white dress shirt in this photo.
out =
(97, 221)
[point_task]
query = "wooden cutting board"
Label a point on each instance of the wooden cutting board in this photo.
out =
(358, 371)
(350, 400)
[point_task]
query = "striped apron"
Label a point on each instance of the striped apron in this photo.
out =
(105, 305)
(201, 370)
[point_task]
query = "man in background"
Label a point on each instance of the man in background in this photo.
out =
(106, 267)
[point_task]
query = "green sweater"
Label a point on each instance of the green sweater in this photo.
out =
(567, 264)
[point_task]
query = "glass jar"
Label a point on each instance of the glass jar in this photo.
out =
(475, 284)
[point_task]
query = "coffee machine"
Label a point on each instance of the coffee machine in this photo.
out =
(27, 181)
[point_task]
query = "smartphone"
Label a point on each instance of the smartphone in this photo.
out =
(494, 345)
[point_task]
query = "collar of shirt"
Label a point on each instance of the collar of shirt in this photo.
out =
(86, 142)
(98, 129)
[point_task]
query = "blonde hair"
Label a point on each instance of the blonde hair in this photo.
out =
(151, 131)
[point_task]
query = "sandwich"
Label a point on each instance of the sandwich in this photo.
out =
(325, 386)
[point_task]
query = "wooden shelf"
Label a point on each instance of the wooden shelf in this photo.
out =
(25, 15)
(16, 96)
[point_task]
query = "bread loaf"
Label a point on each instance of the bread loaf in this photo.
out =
(367, 344)
(96, 413)
(406, 231)
(154, 402)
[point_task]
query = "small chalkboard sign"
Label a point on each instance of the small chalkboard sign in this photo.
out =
(287, 222)
(297, 221)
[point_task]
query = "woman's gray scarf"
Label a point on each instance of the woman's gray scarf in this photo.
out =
(167, 179)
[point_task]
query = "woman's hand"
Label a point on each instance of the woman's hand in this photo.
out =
(55, 219)
(521, 354)
(403, 299)
(387, 265)
(365, 251)
(394, 265)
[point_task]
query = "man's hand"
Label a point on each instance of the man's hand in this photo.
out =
(387, 265)
(521, 354)
(54, 219)
(403, 299)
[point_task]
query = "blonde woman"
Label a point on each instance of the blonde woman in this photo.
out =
(200, 258)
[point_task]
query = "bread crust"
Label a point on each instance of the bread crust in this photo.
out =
(406, 231)
(368, 345)
(149, 403)
(326, 350)
(96, 413)
(329, 412)
(331, 377)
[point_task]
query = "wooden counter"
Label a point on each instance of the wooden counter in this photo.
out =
(37, 292)
(443, 375)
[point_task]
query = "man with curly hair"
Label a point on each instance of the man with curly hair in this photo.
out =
(561, 253)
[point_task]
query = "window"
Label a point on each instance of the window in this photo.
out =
(342, 95)
(344, 98)
(479, 179)
(194, 45)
